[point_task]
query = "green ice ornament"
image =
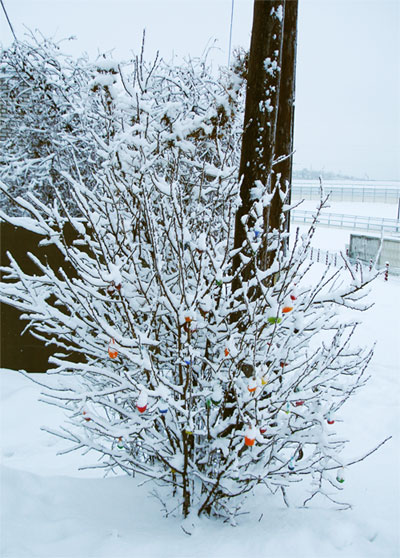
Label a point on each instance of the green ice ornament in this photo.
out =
(340, 475)
(274, 320)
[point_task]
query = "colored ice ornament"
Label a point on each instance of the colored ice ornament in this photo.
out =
(141, 403)
(263, 429)
(163, 407)
(216, 396)
(287, 309)
(274, 320)
(252, 386)
(329, 419)
(291, 464)
(299, 403)
(226, 352)
(112, 349)
(250, 436)
(87, 418)
(340, 475)
(264, 381)
(288, 304)
(120, 443)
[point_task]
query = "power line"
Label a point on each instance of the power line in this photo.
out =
(8, 19)
(230, 34)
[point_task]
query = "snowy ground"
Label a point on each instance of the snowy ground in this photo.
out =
(49, 508)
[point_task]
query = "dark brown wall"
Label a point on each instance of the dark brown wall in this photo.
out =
(23, 351)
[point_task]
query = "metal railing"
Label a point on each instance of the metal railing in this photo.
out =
(356, 222)
(351, 192)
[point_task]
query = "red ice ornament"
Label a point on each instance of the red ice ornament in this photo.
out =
(293, 297)
(299, 403)
(87, 418)
(249, 437)
(141, 403)
(112, 350)
(329, 419)
(226, 352)
(263, 429)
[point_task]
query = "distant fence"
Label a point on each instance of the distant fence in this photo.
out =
(354, 193)
(355, 222)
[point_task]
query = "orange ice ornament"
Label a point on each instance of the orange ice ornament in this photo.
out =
(250, 436)
(112, 349)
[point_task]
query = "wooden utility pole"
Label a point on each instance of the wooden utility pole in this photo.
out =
(285, 123)
(268, 120)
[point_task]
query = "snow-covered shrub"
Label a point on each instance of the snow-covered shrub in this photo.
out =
(51, 112)
(204, 389)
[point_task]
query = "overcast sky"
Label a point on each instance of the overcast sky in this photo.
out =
(348, 70)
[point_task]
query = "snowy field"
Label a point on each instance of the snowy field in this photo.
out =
(50, 508)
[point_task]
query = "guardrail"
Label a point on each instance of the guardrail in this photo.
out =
(347, 193)
(355, 222)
